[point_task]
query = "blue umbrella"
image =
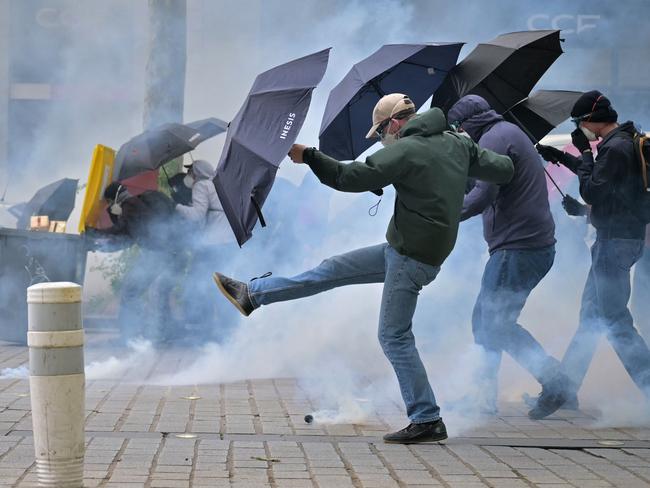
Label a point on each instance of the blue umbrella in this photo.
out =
(260, 136)
(416, 70)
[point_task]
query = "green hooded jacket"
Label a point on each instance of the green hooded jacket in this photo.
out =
(428, 166)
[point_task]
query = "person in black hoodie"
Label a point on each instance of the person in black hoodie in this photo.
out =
(612, 185)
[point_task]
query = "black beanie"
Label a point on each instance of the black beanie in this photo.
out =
(598, 105)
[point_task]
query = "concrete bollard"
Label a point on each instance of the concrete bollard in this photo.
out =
(56, 382)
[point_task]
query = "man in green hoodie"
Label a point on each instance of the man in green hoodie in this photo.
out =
(428, 166)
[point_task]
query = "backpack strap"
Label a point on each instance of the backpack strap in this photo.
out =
(644, 167)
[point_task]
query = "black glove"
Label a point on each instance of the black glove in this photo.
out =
(550, 153)
(574, 207)
(580, 141)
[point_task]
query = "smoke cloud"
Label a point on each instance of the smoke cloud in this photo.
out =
(328, 341)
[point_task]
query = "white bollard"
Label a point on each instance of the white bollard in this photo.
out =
(57, 382)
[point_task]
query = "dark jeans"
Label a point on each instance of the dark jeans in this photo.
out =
(509, 277)
(604, 309)
(641, 294)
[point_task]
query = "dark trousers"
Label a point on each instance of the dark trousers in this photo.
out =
(604, 310)
(641, 294)
(509, 277)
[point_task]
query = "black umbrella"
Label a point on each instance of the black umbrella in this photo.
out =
(503, 70)
(260, 136)
(542, 111)
(155, 147)
(55, 200)
(416, 70)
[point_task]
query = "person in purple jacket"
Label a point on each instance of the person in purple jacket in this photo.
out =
(520, 233)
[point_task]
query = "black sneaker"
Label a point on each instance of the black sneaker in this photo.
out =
(427, 432)
(236, 292)
(571, 402)
(554, 395)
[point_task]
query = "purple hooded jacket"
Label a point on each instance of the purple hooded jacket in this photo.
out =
(516, 215)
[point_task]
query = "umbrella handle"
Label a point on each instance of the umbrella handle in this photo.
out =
(258, 211)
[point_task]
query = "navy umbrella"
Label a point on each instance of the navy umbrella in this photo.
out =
(503, 70)
(55, 200)
(155, 147)
(260, 136)
(416, 70)
(542, 111)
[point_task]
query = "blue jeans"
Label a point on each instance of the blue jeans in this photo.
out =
(641, 294)
(604, 309)
(403, 279)
(509, 277)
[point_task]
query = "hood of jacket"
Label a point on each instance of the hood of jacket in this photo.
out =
(202, 170)
(426, 124)
(474, 114)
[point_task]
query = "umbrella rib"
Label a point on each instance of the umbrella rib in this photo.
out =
(515, 49)
(236, 139)
(424, 66)
(504, 81)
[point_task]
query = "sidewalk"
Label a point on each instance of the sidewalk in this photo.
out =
(253, 434)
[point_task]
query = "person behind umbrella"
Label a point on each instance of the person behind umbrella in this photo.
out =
(612, 185)
(520, 233)
(146, 220)
(206, 210)
(209, 240)
(428, 166)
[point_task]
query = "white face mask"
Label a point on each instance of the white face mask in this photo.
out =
(188, 181)
(591, 136)
(116, 209)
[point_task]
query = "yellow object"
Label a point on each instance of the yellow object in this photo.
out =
(39, 222)
(100, 175)
(57, 226)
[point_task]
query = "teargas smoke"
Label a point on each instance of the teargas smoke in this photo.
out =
(93, 56)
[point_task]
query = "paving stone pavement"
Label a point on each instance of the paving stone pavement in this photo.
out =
(253, 434)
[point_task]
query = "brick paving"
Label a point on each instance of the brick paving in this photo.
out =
(252, 434)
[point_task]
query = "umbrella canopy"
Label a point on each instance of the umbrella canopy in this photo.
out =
(155, 147)
(260, 136)
(55, 200)
(542, 111)
(503, 70)
(416, 70)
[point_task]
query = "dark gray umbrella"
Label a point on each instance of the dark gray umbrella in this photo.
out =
(55, 200)
(260, 136)
(542, 111)
(503, 70)
(416, 70)
(155, 147)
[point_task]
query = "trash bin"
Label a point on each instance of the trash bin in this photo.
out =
(31, 257)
